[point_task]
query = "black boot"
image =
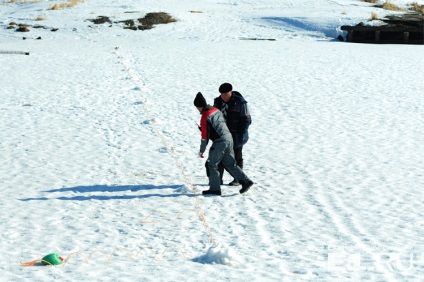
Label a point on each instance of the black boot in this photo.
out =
(245, 186)
(209, 192)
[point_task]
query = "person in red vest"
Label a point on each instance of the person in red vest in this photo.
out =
(213, 127)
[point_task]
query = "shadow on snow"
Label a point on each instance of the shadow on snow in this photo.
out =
(111, 188)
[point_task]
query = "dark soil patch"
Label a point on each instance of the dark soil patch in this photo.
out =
(148, 22)
(156, 18)
(127, 22)
(101, 20)
(40, 26)
(25, 27)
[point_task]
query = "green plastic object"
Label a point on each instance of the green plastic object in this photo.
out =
(51, 259)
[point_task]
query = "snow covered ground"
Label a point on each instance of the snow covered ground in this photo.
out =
(99, 145)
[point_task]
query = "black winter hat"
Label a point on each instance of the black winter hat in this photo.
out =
(225, 87)
(200, 101)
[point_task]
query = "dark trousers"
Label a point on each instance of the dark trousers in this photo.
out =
(222, 153)
(238, 156)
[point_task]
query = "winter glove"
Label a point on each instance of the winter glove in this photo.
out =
(201, 155)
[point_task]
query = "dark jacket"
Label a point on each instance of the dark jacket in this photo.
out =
(238, 117)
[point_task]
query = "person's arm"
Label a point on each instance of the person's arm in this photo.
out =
(205, 137)
(245, 118)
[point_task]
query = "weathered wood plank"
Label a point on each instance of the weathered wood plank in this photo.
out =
(382, 28)
(377, 36)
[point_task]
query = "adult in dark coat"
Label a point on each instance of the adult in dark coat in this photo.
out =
(236, 113)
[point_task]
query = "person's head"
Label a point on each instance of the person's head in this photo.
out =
(199, 102)
(226, 91)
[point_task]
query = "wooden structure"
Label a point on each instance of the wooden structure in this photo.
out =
(407, 29)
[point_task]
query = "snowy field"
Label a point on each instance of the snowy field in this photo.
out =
(99, 145)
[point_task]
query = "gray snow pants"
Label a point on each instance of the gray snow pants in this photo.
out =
(222, 151)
